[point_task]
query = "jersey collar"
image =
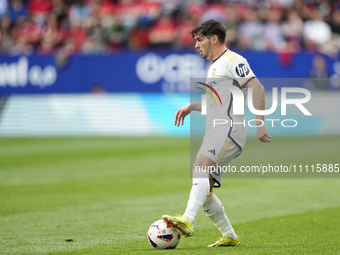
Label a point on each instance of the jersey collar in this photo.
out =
(220, 56)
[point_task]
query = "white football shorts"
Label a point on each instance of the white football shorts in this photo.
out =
(222, 150)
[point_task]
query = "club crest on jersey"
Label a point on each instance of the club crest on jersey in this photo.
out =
(213, 72)
(242, 70)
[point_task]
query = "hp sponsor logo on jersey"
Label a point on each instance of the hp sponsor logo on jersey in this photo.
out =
(242, 70)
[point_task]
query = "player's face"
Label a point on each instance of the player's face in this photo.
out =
(203, 45)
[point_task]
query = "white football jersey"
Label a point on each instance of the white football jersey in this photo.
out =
(228, 70)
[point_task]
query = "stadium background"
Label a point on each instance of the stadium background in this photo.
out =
(89, 156)
(139, 54)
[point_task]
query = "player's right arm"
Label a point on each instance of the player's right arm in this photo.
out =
(240, 71)
(184, 111)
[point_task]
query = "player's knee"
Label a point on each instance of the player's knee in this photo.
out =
(203, 161)
(203, 166)
(199, 164)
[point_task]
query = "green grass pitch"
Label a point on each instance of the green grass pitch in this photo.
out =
(100, 195)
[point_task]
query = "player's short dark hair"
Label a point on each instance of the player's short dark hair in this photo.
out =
(210, 28)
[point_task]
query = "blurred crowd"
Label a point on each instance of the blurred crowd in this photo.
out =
(47, 27)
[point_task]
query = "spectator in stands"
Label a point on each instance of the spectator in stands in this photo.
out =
(5, 25)
(6, 40)
(215, 11)
(149, 11)
(77, 34)
(117, 35)
(183, 37)
(194, 9)
(316, 32)
(273, 37)
(162, 34)
(145, 15)
(52, 36)
(106, 8)
(251, 33)
(138, 38)
(232, 26)
(68, 49)
(335, 22)
(331, 48)
(3, 7)
(21, 47)
(59, 9)
(39, 10)
(128, 13)
(96, 31)
(284, 26)
(31, 32)
(94, 43)
(17, 9)
(318, 74)
(286, 4)
(79, 12)
(92, 46)
(292, 30)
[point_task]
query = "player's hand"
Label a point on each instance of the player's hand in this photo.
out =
(263, 135)
(181, 113)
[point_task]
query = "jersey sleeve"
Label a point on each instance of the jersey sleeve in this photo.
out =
(240, 71)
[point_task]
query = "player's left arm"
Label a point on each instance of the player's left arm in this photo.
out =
(259, 101)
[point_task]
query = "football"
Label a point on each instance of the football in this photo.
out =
(161, 236)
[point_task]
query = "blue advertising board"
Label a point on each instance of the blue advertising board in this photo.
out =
(167, 71)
